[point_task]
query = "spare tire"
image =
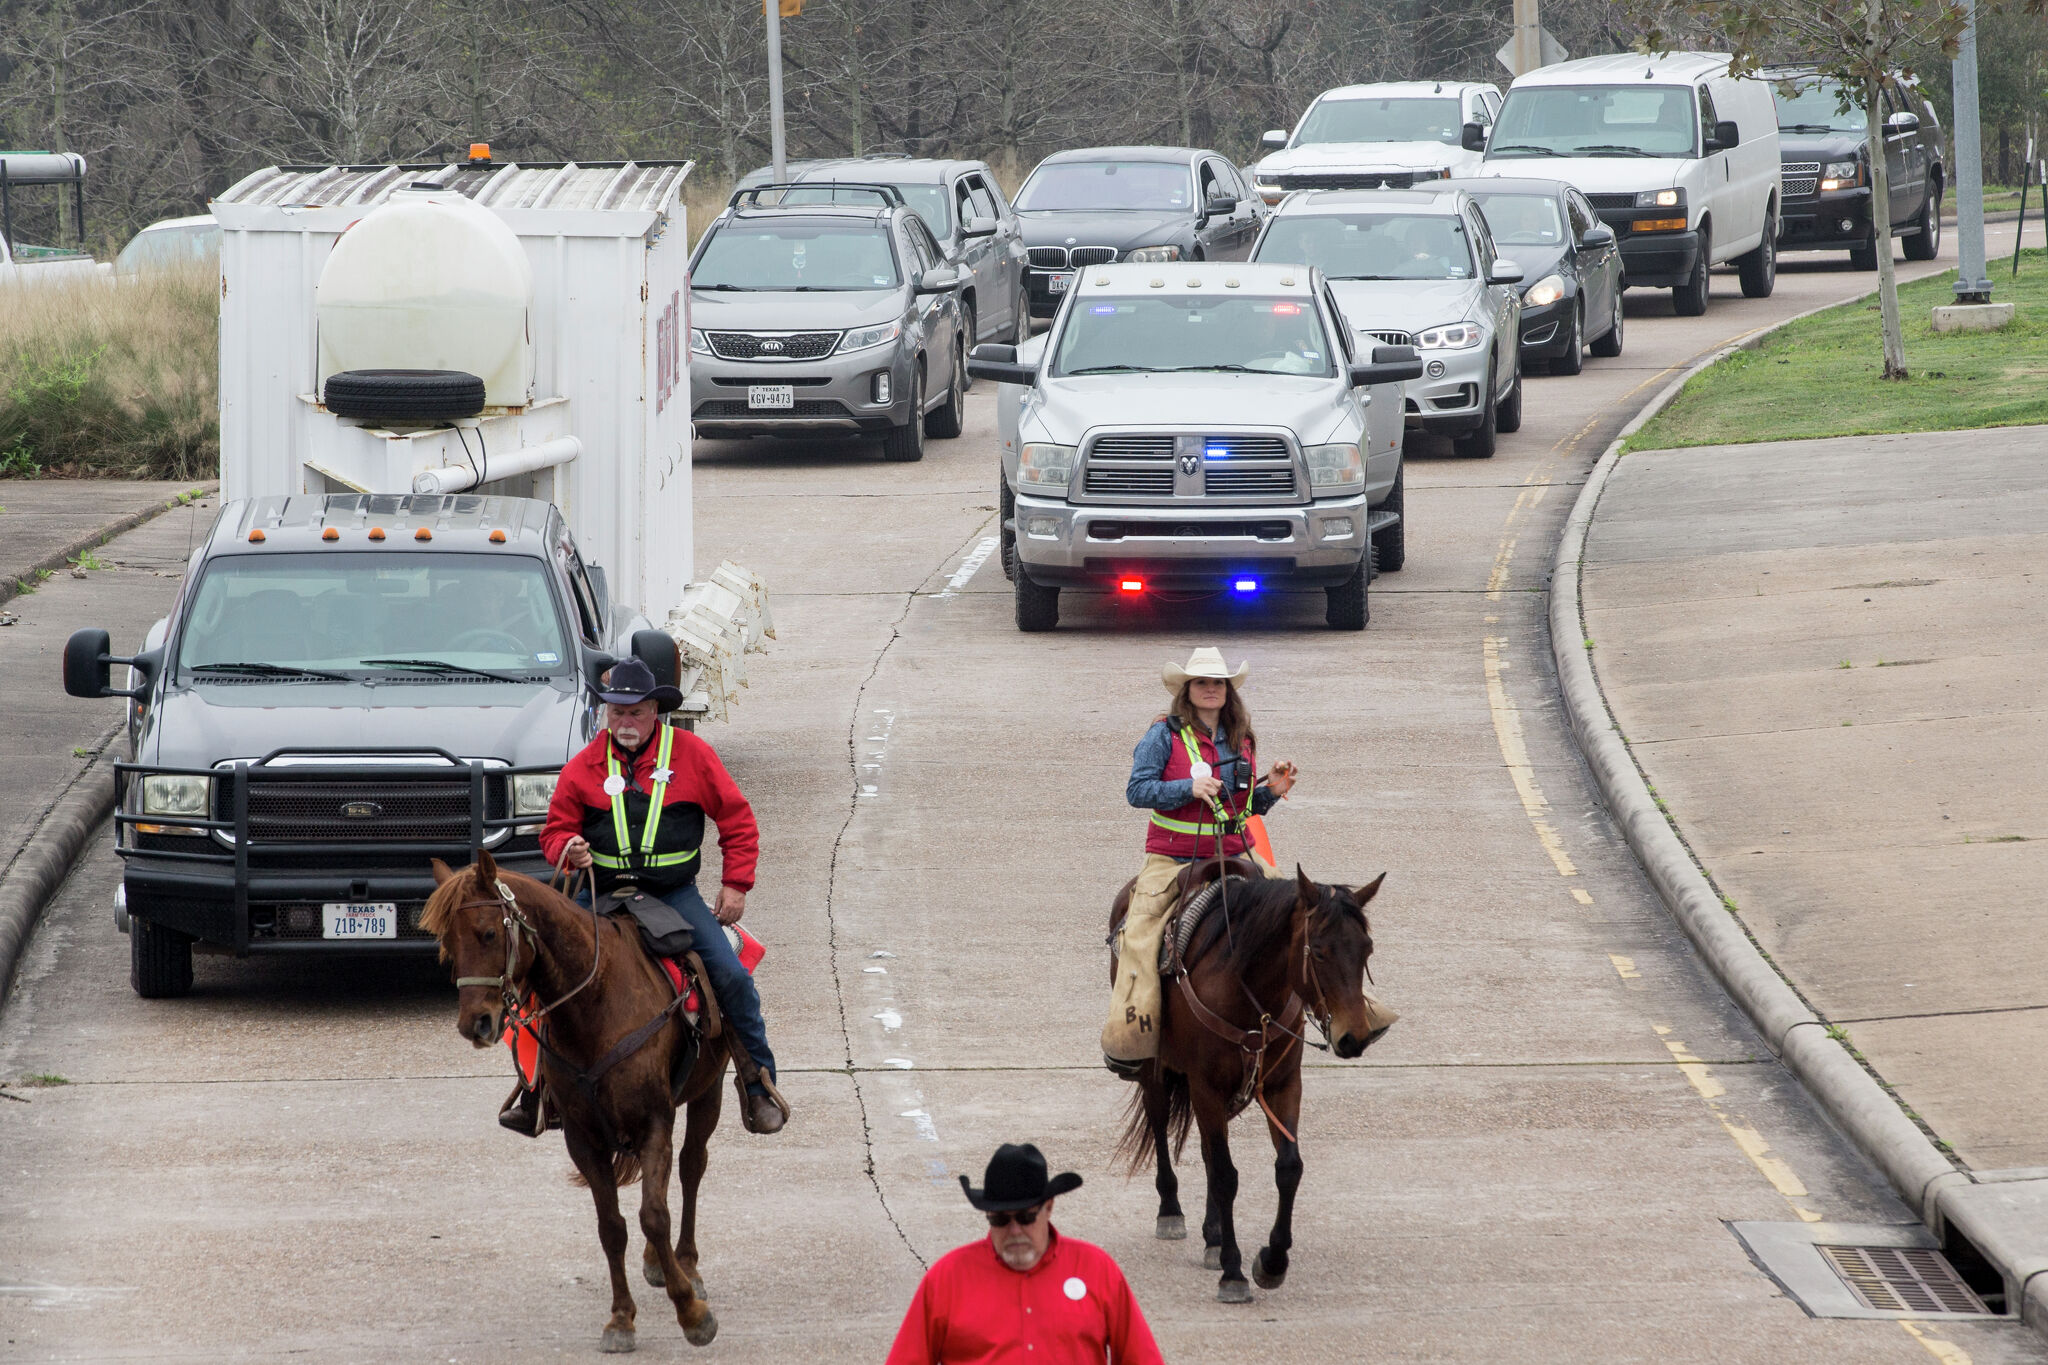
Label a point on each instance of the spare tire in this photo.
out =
(404, 395)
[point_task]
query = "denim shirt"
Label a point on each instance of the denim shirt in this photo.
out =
(1147, 790)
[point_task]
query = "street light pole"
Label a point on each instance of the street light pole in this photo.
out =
(777, 144)
(1973, 285)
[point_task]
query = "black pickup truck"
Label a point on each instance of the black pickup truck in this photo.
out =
(1828, 184)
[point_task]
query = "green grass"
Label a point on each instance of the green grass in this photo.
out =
(1824, 376)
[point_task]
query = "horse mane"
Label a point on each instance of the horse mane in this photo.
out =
(1261, 914)
(437, 916)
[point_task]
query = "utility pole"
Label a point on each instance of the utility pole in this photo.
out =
(1528, 45)
(1973, 285)
(777, 144)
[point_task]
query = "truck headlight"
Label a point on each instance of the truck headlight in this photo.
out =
(1045, 466)
(531, 792)
(860, 338)
(176, 794)
(699, 343)
(1660, 199)
(1335, 468)
(1451, 336)
(1545, 291)
(1269, 190)
(1841, 175)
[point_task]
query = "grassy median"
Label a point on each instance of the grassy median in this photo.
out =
(1823, 376)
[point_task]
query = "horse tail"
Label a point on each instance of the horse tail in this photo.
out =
(1137, 1146)
(625, 1171)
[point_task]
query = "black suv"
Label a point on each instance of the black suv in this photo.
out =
(1827, 167)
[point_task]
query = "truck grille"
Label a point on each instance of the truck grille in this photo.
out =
(1133, 446)
(315, 811)
(1612, 201)
(1247, 483)
(1092, 255)
(1801, 178)
(786, 345)
(1143, 483)
(1350, 180)
(1187, 467)
(1245, 448)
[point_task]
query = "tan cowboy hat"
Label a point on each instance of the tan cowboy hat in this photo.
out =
(1203, 663)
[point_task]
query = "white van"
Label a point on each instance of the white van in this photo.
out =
(1677, 156)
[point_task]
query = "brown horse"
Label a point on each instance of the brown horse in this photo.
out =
(1262, 963)
(508, 936)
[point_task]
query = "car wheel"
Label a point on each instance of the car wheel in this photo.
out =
(1925, 245)
(1864, 257)
(1507, 417)
(1038, 608)
(1689, 300)
(1608, 345)
(905, 444)
(1759, 268)
(1479, 443)
(1020, 326)
(1574, 358)
(1006, 530)
(1390, 546)
(1345, 606)
(159, 960)
(951, 418)
(968, 322)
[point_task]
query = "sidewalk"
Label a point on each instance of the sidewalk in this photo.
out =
(44, 521)
(1830, 660)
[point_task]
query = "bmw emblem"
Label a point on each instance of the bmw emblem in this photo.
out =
(1071, 241)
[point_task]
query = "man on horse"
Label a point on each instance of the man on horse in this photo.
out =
(631, 808)
(1194, 770)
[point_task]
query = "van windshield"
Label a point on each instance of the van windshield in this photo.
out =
(799, 254)
(1816, 106)
(1203, 332)
(1386, 120)
(1372, 246)
(273, 615)
(1596, 121)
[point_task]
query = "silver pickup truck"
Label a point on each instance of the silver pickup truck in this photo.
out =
(1198, 427)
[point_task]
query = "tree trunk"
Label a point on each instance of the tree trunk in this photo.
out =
(1881, 222)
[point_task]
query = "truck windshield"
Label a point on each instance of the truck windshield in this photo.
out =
(1261, 336)
(1596, 120)
(274, 615)
(1372, 246)
(1387, 120)
(801, 254)
(1062, 186)
(1816, 106)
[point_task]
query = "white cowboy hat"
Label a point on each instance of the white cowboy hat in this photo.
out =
(1203, 663)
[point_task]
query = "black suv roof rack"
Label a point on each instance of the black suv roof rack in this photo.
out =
(890, 196)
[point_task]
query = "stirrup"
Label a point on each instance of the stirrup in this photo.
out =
(1123, 1069)
(526, 1112)
(753, 1075)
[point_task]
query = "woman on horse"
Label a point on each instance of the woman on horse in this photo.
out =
(631, 808)
(1194, 771)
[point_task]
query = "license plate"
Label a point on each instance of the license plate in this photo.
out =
(359, 919)
(1057, 284)
(771, 396)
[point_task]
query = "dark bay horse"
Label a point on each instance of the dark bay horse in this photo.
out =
(1232, 1029)
(528, 937)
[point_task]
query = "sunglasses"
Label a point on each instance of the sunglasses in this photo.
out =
(1023, 1218)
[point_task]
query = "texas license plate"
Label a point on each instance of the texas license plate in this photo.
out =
(359, 919)
(771, 396)
(1057, 284)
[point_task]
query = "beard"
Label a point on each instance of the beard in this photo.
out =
(628, 736)
(1019, 1254)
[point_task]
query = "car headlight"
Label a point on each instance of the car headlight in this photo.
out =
(1335, 468)
(1841, 175)
(531, 792)
(1153, 254)
(1045, 466)
(860, 338)
(1451, 336)
(1547, 290)
(1660, 199)
(699, 344)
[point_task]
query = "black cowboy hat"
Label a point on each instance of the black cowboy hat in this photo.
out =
(1015, 1179)
(631, 682)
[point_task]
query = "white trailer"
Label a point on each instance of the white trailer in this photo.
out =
(21, 263)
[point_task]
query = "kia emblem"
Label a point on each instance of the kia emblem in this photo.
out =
(362, 810)
(771, 344)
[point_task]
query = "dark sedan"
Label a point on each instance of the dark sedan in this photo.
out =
(1572, 268)
(1103, 204)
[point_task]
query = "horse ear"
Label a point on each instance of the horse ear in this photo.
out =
(1369, 890)
(442, 873)
(1310, 895)
(486, 869)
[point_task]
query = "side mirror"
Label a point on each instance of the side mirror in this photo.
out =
(1504, 271)
(1473, 138)
(1597, 236)
(1219, 206)
(997, 361)
(1273, 139)
(597, 663)
(89, 668)
(1390, 365)
(662, 655)
(1726, 135)
(1905, 121)
(941, 279)
(978, 227)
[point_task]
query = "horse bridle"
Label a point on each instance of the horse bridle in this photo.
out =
(518, 927)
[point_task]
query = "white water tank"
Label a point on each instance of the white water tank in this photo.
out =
(429, 281)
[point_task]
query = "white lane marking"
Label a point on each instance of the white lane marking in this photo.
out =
(969, 566)
(900, 1063)
(922, 1121)
(874, 971)
(891, 1020)
(881, 952)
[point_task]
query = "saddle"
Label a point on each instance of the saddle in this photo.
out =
(1203, 886)
(666, 937)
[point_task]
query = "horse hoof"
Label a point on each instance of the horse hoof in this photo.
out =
(1263, 1277)
(1212, 1258)
(652, 1270)
(617, 1340)
(703, 1332)
(1171, 1228)
(1233, 1291)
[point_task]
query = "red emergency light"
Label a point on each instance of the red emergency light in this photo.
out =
(1130, 585)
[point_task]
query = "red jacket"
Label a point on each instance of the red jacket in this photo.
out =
(696, 776)
(1072, 1308)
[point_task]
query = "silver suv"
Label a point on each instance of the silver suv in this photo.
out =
(826, 319)
(1198, 426)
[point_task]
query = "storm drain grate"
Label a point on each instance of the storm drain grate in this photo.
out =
(1916, 1280)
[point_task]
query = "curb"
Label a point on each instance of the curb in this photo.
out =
(10, 587)
(47, 856)
(2004, 1222)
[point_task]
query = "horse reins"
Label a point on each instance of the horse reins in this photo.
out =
(517, 925)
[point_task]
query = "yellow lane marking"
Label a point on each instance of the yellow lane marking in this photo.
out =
(1507, 729)
(1580, 895)
(1947, 1352)
(1626, 966)
(1751, 1143)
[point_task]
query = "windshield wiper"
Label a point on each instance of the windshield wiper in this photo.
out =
(1226, 365)
(1807, 128)
(255, 670)
(1365, 277)
(1113, 369)
(443, 666)
(1613, 149)
(727, 288)
(1526, 147)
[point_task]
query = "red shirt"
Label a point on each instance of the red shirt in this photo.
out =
(695, 775)
(1072, 1307)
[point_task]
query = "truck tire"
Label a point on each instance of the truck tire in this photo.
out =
(1925, 244)
(1689, 300)
(1038, 608)
(1759, 268)
(905, 444)
(1480, 442)
(159, 960)
(1345, 607)
(1006, 513)
(1390, 546)
(404, 395)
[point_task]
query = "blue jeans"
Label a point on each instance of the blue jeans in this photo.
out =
(738, 1001)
